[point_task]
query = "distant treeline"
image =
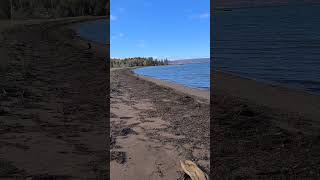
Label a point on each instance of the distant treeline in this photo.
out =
(137, 61)
(24, 9)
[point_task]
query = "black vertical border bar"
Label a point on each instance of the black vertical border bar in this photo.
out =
(107, 106)
(212, 44)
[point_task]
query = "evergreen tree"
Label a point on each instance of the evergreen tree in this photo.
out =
(137, 61)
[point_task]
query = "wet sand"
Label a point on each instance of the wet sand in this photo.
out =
(53, 102)
(199, 93)
(263, 131)
(281, 98)
(154, 126)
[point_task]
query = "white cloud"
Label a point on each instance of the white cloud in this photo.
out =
(113, 18)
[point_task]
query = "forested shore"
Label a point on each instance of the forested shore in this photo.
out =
(137, 61)
(27, 9)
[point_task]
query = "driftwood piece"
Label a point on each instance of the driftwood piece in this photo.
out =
(193, 171)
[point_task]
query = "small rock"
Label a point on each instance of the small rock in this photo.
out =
(126, 131)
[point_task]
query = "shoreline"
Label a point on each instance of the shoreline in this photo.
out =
(269, 83)
(303, 102)
(196, 92)
(294, 102)
(47, 109)
(75, 26)
(283, 98)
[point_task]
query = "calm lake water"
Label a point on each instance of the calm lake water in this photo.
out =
(97, 31)
(278, 45)
(191, 75)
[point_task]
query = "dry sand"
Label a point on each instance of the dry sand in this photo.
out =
(154, 126)
(52, 102)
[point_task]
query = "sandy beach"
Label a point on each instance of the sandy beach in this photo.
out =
(54, 116)
(53, 108)
(258, 130)
(263, 131)
(154, 125)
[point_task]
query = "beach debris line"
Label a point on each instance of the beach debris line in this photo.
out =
(193, 171)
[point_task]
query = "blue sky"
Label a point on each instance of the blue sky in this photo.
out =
(160, 28)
